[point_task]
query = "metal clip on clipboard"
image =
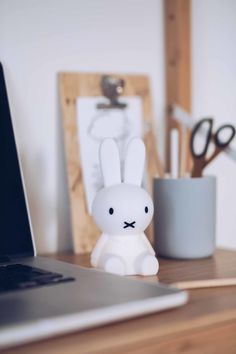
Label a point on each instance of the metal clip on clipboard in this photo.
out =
(112, 88)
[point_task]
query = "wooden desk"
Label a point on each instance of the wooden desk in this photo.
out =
(207, 324)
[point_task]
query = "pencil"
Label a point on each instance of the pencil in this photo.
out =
(208, 283)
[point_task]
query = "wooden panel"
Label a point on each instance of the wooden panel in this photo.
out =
(178, 72)
(73, 85)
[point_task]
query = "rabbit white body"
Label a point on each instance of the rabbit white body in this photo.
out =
(129, 255)
(123, 211)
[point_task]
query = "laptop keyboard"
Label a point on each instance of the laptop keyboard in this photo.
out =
(21, 277)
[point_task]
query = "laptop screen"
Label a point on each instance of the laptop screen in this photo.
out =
(15, 234)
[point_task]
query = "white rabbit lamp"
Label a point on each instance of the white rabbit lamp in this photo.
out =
(123, 210)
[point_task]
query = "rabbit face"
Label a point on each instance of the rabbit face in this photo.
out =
(123, 209)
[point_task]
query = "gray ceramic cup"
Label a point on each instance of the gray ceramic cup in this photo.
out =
(185, 217)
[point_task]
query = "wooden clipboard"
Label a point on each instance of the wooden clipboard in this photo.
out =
(72, 86)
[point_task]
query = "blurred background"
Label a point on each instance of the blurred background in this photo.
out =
(40, 38)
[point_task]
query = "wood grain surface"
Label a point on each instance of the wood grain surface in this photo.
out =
(177, 15)
(207, 324)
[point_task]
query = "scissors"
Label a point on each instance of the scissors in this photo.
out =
(200, 161)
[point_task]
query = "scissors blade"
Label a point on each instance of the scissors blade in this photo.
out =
(183, 117)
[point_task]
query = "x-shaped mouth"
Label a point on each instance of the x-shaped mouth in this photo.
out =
(131, 224)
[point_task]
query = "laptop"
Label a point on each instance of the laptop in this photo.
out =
(41, 297)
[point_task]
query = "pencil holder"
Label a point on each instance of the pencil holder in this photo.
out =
(185, 217)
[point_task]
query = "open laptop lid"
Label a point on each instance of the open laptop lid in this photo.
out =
(15, 232)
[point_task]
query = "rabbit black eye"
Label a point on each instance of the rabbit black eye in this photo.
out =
(111, 211)
(146, 209)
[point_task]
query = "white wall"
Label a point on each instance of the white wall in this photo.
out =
(214, 94)
(40, 38)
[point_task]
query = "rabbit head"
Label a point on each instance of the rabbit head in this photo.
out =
(122, 207)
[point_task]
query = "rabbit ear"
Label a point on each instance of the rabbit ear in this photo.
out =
(110, 162)
(134, 162)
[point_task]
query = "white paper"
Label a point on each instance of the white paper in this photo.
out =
(94, 125)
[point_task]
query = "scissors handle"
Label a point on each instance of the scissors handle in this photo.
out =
(199, 159)
(195, 131)
(221, 145)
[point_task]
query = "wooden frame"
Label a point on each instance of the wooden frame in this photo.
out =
(178, 72)
(73, 85)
